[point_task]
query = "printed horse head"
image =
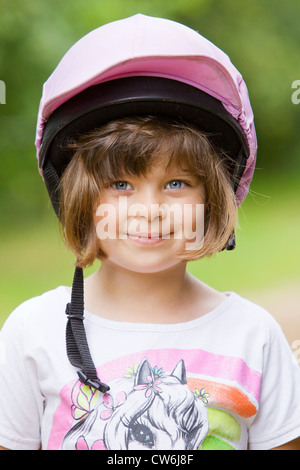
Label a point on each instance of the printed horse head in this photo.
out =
(147, 411)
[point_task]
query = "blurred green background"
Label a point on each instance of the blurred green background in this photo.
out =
(262, 37)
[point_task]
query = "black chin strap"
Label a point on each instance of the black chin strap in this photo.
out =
(77, 347)
(230, 245)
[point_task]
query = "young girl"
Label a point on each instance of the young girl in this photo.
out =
(147, 146)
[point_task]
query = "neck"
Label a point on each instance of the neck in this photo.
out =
(124, 295)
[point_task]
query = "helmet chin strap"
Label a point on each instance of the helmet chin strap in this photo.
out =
(76, 342)
(230, 245)
(77, 347)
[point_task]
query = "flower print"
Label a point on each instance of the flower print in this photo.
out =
(99, 445)
(109, 404)
(157, 372)
(81, 444)
(151, 386)
(131, 372)
(83, 400)
(201, 395)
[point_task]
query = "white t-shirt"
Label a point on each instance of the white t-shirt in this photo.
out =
(226, 380)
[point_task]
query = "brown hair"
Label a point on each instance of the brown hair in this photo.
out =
(130, 146)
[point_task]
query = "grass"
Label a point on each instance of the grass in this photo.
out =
(34, 258)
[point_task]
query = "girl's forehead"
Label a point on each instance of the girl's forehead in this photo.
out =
(163, 169)
(168, 164)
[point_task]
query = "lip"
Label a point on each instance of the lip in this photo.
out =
(149, 239)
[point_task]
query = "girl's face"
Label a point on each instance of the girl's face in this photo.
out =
(144, 222)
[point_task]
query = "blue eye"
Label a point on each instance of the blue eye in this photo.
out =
(175, 184)
(121, 185)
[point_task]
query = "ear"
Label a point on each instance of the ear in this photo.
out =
(179, 372)
(143, 371)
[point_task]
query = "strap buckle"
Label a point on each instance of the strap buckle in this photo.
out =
(77, 316)
(95, 383)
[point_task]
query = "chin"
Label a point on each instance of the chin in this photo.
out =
(147, 268)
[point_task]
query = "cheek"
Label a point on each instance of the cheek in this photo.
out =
(193, 225)
(197, 217)
(106, 221)
(198, 204)
(190, 214)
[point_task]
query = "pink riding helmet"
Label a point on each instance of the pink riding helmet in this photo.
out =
(177, 73)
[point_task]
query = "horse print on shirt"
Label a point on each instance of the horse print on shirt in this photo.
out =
(148, 409)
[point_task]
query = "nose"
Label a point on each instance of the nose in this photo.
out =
(148, 205)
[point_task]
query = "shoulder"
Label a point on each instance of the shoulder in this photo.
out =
(246, 310)
(44, 309)
(252, 320)
(249, 331)
(49, 300)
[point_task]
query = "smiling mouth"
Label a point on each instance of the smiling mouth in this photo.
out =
(150, 238)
